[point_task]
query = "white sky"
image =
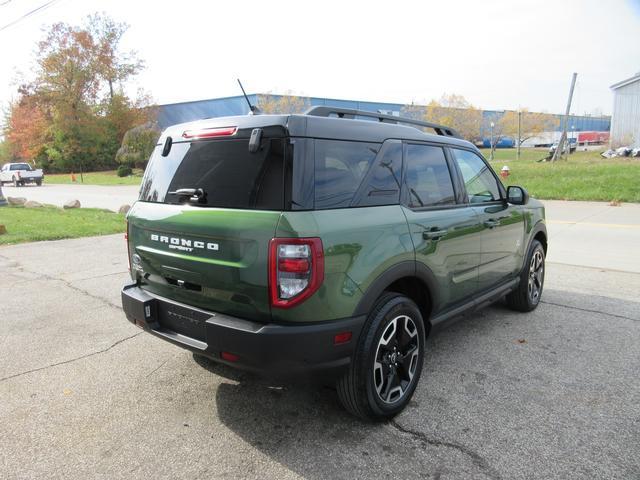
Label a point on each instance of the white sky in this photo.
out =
(498, 54)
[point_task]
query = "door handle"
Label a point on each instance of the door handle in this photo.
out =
(492, 223)
(433, 234)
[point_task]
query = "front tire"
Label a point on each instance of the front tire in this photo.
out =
(527, 296)
(387, 363)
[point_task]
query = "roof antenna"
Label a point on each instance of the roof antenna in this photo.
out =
(254, 109)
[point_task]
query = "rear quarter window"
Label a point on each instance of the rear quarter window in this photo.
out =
(340, 167)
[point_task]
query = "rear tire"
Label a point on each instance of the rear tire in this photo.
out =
(39, 183)
(527, 296)
(386, 366)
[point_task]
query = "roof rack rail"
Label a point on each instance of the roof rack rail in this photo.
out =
(322, 111)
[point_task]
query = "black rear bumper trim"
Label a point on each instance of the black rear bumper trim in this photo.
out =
(270, 349)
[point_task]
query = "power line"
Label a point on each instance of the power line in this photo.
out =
(5, 2)
(28, 14)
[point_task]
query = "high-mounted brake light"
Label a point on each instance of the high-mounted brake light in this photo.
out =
(210, 132)
(296, 270)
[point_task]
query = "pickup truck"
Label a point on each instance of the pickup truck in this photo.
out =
(20, 174)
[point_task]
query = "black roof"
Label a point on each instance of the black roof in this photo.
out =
(305, 125)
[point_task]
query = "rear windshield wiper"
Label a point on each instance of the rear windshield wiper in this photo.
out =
(196, 195)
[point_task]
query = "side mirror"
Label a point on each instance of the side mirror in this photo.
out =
(517, 195)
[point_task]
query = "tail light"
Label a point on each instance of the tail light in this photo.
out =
(296, 270)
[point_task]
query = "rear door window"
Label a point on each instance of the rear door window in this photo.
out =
(229, 174)
(340, 167)
(428, 180)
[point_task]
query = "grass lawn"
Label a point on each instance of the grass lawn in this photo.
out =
(584, 176)
(96, 178)
(51, 223)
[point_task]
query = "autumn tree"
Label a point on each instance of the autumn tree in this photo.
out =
(26, 128)
(283, 104)
(451, 110)
(77, 94)
(532, 124)
(112, 65)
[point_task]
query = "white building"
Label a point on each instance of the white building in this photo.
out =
(625, 122)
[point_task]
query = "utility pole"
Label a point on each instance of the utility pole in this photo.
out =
(519, 133)
(492, 145)
(563, 137)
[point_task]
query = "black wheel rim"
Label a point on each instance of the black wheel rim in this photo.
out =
(536, 277)
(396, 359)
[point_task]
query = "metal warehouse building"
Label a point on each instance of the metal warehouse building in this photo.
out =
(625, 123)
(174, 113)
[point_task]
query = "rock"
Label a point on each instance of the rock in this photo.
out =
(16, 200)
(72, 204)
(124, 209)
(3, 229)
(32, 204)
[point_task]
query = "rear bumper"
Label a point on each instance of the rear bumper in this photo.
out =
(269, 349)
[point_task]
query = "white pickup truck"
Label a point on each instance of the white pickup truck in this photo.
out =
(20, 174)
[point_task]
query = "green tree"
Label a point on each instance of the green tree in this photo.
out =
(137, 145)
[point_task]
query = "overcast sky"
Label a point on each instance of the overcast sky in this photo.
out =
(498, 54)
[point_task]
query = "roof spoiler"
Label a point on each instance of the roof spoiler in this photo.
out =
(322, 111)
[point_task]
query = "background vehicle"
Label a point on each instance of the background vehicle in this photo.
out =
(19, 174)
(325, 243)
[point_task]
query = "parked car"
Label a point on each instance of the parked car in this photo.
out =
(20, 174)
(331, 243)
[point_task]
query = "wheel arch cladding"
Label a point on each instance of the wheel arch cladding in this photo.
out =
(407, 278)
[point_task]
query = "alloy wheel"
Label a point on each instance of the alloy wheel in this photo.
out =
(536, 276)
(396, 359)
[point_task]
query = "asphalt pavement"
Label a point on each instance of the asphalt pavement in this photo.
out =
(549, 394)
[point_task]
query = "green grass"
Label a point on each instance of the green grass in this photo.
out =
(96, 178)
(51, 223)
(584, 176)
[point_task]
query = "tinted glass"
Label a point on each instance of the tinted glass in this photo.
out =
(480, 183)
(428, 179)
(229, 174)
(382, 183)
(339, 170)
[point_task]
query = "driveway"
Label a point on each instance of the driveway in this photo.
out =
(94, 196)
(550, 394)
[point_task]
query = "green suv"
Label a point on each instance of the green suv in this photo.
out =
(328, 244)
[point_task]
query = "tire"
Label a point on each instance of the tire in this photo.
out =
(39, 183)
(527, 296)
(382, 379)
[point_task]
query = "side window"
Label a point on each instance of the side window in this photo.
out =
(339, 169)
(480, 183)
(381, 185)
(428, 179)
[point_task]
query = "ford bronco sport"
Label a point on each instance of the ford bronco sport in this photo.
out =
(332, 242)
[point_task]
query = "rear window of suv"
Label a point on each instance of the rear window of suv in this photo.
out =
(230, 175)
